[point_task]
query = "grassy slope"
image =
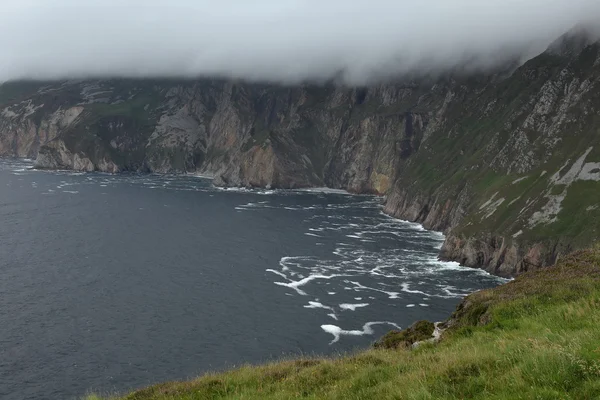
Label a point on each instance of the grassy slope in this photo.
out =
(534, 338)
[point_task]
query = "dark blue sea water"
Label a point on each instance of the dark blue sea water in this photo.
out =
(109, 283)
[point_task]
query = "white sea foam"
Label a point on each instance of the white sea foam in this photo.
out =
(252, 206)
(322, 190)
(287, 262)
(316, 304)
(367, 329)
(231, 189)
(412, 272)
(358, 287)
(452, 291)
(202, 176)
(406, 288)
(277, 273)
(297, 284)
(353, 307)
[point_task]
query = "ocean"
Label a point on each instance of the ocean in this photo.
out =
(114, 282)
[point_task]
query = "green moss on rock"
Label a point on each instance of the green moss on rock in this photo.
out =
(418, 332)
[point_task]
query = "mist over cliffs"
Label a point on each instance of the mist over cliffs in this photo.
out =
(506, 163)
(279, 41)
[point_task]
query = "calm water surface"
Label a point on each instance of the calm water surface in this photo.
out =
(109, 283)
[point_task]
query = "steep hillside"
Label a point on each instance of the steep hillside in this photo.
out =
(513, 171)
(507, 164)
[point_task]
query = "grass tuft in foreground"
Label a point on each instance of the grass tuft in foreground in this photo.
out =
(537, 337)
(418, 332)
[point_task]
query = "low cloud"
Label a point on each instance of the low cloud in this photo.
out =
(275, 40)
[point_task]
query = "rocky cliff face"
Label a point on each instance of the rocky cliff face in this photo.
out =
(507, 164)
(511, 174)
(249, 135)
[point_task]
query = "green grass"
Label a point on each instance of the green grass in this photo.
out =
(260, 135)
(577, 218)
(16, 91)
(420, 331)
(534, 338)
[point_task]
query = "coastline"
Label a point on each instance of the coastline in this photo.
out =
(390, 211)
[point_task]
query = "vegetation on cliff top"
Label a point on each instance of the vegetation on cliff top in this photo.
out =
(533, 338)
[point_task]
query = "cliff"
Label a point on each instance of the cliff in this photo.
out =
(507, 164)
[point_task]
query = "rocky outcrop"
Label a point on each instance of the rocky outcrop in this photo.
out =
(503, 257)
(56, 155)
(438, 213)
(417, 333)
(25, 130)
(493, 254)
(506, 164)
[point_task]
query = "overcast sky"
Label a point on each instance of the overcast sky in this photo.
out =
(273, 40)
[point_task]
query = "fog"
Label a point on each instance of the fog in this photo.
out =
(288, 41)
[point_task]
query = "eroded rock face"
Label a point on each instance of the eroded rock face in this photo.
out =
(56, 155)
(22, 134)
(485, 158)
(493, 254)
(517, 190)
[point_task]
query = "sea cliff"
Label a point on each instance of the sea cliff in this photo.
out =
(506, 163)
